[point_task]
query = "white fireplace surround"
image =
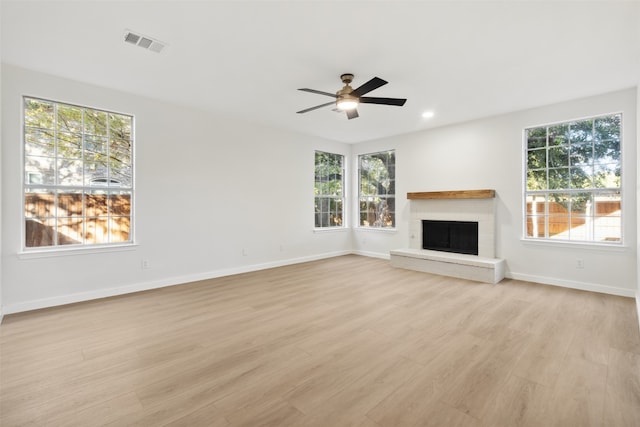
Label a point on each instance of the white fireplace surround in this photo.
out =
(477, 210)
(484, 267)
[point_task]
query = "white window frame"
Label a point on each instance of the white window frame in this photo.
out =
(371, 198)
(341, 197)
(590, 228)
(28, 183)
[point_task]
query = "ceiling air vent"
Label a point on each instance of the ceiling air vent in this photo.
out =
(144, 42)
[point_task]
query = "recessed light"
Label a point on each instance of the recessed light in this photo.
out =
(427, 114)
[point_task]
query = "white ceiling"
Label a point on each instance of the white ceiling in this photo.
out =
(462, 60)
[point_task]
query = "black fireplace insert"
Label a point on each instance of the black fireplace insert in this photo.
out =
(450, 236)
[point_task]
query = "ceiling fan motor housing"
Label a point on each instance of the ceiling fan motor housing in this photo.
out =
(344, 94)
(346, 78)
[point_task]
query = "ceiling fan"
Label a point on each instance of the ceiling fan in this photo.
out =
(348, 98)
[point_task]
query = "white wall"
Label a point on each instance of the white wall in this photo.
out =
(207, 187)
(488, 154)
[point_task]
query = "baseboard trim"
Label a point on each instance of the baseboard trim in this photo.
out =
(583, 286)
(177, 280)
(157, 284)
(386, 256)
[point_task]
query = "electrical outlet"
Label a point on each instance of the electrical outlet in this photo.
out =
(145, 264)
(244, 252)
(579, 263)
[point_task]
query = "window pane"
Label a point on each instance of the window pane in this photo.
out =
(69, 118)
(39, 203)
(120, 229)
(558, 208)
(95, 122)
(607, 150)
(120, 126)
(558, 134)
(607, 204)
(39, 218)
(69, 231)
(120, 151)
(535, 226)
(581, 131)
(96, 231)
(120, 176)
(70, 172)
(95, 147)
(608, 217)
(607, 128)
(537, 179)
(607, 175)
(582, 177)
(39, 113)
(536, 210)
(39, 142)
(558, 178)
(558, 156)
(537, 159)
(582, 154)
(69, 145)
(40, 170)
(537, 138)
(96, 174)
(39, 232)
(70, 203)
(377, 212)
(581, 204)
(608, 229)
(96, 204)
(120, 204)
(581, 217)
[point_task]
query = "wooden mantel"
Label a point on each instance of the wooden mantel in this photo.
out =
(459, 194)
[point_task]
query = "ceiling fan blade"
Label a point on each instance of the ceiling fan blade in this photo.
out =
(352, 114)
(316, 107)
(372, 84)
(319, 92)
(385, 101)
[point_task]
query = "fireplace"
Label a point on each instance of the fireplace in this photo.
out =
(457, 227)
(480, 210)
(450, 236)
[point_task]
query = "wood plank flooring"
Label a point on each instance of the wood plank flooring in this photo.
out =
(347, 341)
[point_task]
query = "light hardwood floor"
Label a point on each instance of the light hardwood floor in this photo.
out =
(348, 341)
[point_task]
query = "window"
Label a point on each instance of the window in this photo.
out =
(573, 181)
(78, 175)
(377, 189)
(329, 194)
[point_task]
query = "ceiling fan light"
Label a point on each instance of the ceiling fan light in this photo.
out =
(346, 104)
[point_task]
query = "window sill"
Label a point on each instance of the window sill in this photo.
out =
(377, 229)
(615, 247)
(59, 252)
(330, 229)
